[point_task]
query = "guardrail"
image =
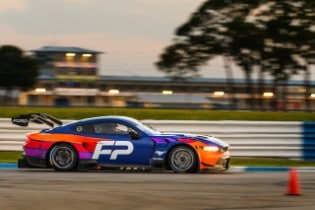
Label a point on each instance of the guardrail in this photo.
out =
(293, 140)
(247, 138)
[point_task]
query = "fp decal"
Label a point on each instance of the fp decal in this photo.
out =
(101, 149)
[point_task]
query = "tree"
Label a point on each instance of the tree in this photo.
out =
(272, 36)
(17, 71)
(290, 42)
(208, 35)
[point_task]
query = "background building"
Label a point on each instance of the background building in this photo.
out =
(69, 77)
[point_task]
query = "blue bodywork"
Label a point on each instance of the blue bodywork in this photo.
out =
(148, 148)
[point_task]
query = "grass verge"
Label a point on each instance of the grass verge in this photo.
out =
(158, 114)
(9, 157)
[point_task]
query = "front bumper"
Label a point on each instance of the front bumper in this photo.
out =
(223, 164)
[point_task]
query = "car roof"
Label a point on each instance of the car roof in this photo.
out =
(110, 118)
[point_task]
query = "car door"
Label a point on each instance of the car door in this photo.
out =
(121, 148)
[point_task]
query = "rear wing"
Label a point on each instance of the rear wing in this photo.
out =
(39, 118)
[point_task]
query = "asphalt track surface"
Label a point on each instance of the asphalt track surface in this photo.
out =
(47, 189)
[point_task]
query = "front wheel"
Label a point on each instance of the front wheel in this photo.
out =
(182, 159)
(63, 157)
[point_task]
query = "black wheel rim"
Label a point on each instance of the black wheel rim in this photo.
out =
(62, 157)
(182, 160)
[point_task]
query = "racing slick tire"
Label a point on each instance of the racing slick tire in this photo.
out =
(63, 157)
(182, 159)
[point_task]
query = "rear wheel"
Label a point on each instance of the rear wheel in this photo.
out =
(63, 157)
(182, 159)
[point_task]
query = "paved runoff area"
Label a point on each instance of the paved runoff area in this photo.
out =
(46, 189)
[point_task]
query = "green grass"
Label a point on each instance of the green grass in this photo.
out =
(12, 157)
(9, 157)
(158, 114)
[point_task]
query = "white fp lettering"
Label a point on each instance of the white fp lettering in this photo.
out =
(99, 150)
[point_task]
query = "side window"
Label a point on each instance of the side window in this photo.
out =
(87, 128)
(122, 129)
(104, 128)
(110, 128)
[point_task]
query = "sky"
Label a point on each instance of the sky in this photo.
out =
(131, 33)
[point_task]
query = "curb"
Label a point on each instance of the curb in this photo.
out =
(8, 166)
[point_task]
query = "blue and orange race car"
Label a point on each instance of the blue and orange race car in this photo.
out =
(117, 141)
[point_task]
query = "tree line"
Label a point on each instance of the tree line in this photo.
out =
(270, 37)
(17, 71)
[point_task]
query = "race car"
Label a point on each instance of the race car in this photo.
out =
(117, 141)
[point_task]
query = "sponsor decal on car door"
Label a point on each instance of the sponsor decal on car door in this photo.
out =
(113, 149)
(124, 152)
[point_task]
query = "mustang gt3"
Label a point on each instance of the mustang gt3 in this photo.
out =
(117, 141)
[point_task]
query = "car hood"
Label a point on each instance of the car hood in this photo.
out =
(207, 139)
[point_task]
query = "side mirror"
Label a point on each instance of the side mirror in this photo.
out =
(134, 135)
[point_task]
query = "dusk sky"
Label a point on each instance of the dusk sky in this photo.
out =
(131, 33)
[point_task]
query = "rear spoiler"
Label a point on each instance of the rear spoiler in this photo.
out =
(39, 118)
